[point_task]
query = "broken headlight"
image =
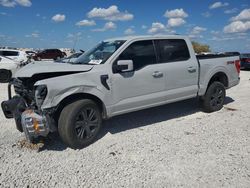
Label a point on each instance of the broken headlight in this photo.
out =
(40, 94)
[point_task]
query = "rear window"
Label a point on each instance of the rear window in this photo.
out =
(9, 53)
(171, 50)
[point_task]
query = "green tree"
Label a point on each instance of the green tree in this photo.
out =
(198, 48)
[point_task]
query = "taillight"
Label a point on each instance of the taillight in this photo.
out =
(237, 65)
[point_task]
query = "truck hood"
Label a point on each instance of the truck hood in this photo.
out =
(51, 67)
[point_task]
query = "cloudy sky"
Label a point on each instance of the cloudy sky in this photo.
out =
(224, 25)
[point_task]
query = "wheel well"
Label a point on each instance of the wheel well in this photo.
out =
(219, 77)
(75, 97)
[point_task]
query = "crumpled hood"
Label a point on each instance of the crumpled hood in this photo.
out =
(50, 67)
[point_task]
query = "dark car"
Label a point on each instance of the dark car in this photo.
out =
(245, 61)
(49, 54)
(71, 58)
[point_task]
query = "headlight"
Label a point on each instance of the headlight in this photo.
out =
(40, 94)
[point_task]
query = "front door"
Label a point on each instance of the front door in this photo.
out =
(141, 87)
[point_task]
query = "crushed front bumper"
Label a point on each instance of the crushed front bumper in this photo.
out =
(32, 123)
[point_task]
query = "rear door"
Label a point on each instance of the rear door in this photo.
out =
(51, 54)
(44, 55)
(181, 72)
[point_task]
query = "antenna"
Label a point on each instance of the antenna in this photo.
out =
(76, 40)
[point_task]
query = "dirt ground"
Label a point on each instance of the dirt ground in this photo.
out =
(168, 146)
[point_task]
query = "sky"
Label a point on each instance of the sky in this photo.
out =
(80, 24)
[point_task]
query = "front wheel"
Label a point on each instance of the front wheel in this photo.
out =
(214, 98)
(80, 123)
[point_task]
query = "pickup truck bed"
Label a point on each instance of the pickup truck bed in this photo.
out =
(221, 64)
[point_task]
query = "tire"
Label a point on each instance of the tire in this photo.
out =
(57, 58)
(5, 76)
(39, 59)
(79, 123)
(214, 98)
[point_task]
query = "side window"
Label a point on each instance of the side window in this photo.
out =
(142, 53)
(10, 53)
(171, 50)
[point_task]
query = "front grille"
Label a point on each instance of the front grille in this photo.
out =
(18, 86)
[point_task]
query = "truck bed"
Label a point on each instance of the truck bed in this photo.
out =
(211, 64)
(211, 56)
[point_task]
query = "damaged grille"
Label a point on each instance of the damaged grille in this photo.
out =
(21, 88)
(18, 86)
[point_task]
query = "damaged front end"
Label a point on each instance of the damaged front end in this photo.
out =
(25, 108)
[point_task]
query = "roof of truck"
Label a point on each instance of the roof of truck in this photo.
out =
(145, 37)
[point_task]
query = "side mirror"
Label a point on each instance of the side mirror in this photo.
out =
(124, 66)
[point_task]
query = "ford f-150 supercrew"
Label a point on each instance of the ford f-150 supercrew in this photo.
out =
(117, 76)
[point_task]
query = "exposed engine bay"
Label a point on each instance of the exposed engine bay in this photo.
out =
(25, 108)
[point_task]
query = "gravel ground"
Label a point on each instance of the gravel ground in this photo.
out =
(168, 146)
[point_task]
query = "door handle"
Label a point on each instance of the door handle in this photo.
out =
(157, 74)
(191, 69)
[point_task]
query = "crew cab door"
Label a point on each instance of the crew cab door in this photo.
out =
(141, 87)
(181, 68)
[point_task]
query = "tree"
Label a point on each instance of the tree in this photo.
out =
(199, 48)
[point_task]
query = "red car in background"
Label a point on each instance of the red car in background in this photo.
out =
(245, 61)
(49, 54)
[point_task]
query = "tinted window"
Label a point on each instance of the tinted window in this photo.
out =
(172, 50)
(9, 53)
(142, 53)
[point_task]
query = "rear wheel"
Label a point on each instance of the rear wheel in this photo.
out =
(57, 58)
(5, 75)
(80, 123)
(214, 98)
(39, 59)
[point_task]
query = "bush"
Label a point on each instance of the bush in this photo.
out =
(199, 48)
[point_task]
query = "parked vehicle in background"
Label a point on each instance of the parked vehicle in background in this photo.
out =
(54, 54)
(117, 76)
(245, 61)
(30, 53)
(16, 55)
(64, 54)
(71, 58)
(8, 67)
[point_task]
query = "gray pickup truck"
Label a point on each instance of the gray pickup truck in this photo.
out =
(117, 76)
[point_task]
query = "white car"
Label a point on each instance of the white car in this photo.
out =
(16, 55)
(7, 68)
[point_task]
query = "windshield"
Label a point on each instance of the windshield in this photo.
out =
(100, 53)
